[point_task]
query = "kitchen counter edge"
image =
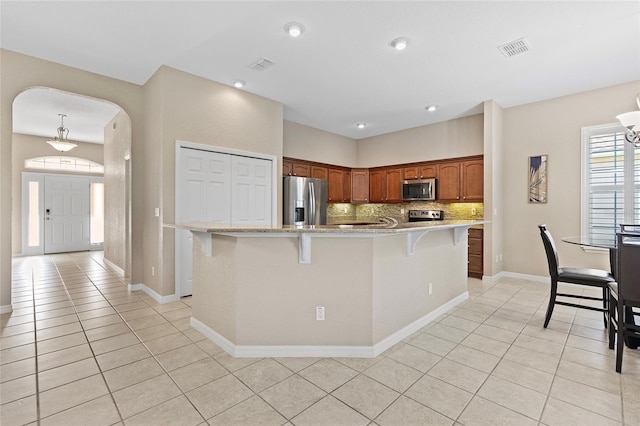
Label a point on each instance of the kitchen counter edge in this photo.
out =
(326, 229)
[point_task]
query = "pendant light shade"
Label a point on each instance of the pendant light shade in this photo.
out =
(61, 142)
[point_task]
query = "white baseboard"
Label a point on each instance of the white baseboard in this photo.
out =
(155, 296)
(409, 329)
(5, 309)
(113, 266)
(302, 351)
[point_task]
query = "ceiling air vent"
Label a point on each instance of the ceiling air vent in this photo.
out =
(516, 47)
(261, 64)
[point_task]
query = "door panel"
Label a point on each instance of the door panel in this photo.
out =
(67, 207)
(251, 191)
(202, 190)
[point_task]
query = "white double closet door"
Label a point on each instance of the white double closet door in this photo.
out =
(217, 188)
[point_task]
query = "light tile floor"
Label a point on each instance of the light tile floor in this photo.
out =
(80, 349)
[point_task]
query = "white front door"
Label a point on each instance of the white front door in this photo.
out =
(66, 214)
(203, 194)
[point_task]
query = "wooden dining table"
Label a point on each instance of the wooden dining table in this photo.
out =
(609, 243)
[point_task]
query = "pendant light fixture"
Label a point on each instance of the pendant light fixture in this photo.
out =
(61, 142)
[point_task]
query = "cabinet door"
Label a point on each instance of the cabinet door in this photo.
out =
(346, 192)
(473, 180)
(393, 185)
(359, 186)
(287, 168)
(429, 171)
(448, 185)
(319, 172)
(411, 173)
(376, 186)
(335, 186)
(301, 169)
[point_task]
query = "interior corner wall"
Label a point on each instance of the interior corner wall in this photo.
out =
(117, 145)
(493, 189)
(194, 109)
(19, 72)
(454, 138)
(28, 146)
(552, 127)
(308, 143)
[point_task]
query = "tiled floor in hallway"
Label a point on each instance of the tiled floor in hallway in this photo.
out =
(80, 349)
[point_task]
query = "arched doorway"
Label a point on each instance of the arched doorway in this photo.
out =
(102, 130)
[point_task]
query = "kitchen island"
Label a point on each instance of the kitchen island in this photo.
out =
(257, 290)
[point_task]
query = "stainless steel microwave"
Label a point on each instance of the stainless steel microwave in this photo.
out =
(419, 189)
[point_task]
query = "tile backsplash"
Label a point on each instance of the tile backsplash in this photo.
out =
(337, 213)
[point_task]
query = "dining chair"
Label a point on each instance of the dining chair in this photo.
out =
(579, 276)
(625, 294)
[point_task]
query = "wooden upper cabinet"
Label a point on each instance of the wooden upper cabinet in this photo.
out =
(376, 186)
(292, 167)
(448, 184)
(346, 193)
(461, 181)
(472, 180)
(385, 185)
(359, 186)
(393, 185)
(319, 172)
(301, 169)
(420, 171)
(335, 186)
(286, 167)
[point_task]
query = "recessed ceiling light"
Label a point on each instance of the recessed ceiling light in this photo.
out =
(238, 83)
(361, 125)
(294, 29)
(400, 43)
(432, 108)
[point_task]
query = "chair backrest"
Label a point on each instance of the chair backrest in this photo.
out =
(628, 266)
(550, 249)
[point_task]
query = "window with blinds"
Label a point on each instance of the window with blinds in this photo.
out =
(611, 182)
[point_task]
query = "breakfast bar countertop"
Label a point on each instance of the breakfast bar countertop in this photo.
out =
(381, 228)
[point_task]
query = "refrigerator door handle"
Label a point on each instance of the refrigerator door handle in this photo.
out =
(312, 204)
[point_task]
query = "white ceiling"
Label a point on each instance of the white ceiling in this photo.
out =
(35, 112)
(341, 70)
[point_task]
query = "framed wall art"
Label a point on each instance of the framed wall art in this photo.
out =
(538, 179)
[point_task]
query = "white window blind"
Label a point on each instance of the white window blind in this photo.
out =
(611, 182)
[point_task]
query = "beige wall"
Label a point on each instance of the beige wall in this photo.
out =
(27, 146)
(117, 145)
(455, 138)
(552, 127)
(194, 109)
(20, 72)
(306, 143)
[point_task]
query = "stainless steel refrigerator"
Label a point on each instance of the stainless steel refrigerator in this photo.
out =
(304, 201)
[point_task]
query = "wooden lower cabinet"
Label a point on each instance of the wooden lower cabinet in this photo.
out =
(475, 268)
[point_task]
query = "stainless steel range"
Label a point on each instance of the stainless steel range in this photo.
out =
(425, 215)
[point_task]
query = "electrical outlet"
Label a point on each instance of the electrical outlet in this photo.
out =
(157, 212)
(401, 211)
(500, 256)
(430, 288)
(153, 270)
(319, 313)
(473, 211)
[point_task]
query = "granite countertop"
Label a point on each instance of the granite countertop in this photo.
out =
(378, 228)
